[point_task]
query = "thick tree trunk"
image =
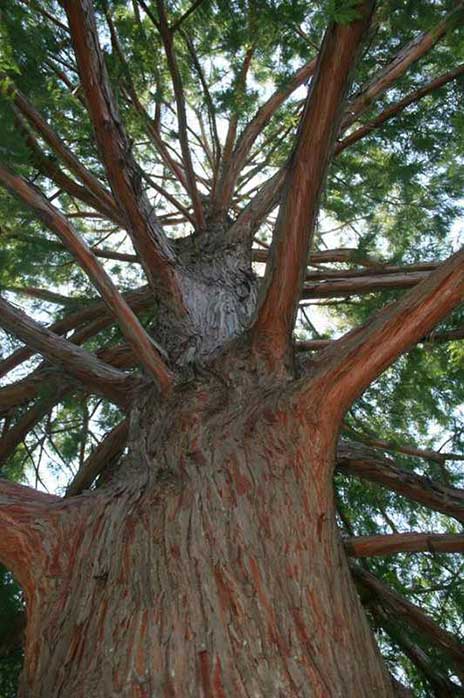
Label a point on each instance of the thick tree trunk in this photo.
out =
(216, 572)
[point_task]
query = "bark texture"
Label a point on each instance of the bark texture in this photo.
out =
(217, 572)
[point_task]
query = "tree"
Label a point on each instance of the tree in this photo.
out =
(201, 548)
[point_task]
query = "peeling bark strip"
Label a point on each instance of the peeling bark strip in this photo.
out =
(142, 344)
(123, 174)
(307, 170)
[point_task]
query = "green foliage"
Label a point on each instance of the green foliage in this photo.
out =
(342, 11)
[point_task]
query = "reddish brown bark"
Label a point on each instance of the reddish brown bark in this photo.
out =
(430, 493)
(143, 346)
(81, 364)
(276, 310)
(217, 569)
(368, 546)
(123, 174)
(406, 57)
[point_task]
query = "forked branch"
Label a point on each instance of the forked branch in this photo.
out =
(412, 615)
(406, 57)
(417, 488)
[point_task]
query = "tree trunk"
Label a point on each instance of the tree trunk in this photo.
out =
(217, 572)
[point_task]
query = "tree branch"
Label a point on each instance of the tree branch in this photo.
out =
(398, 107)
(17, 433)
(271, 332)
(123, 174)
(94, 317)
(411, 615)
(168, 42)
(48, 167)
(352, 286)
(369, 546)
(408, 55)
(21, 534)
(351, 363)
(440, 684)
(107, 451)
(355, 461)
(250, 134)
(251, 217)
(151, 125)
(135, 334)
(84, 366)
(49, 379)
(175, 26)
(62, 151)
(208, 101)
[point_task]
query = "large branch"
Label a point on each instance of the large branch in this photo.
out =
(441, 686)
(369, 546)
(98, 376)
(130, 326)
(22, 537)
(412, 615)
(351, 363)
(106, 452)
(48, 167)
(420, 489)
(115, 148)
(274, 321)
(331, 287)
(406, 57)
